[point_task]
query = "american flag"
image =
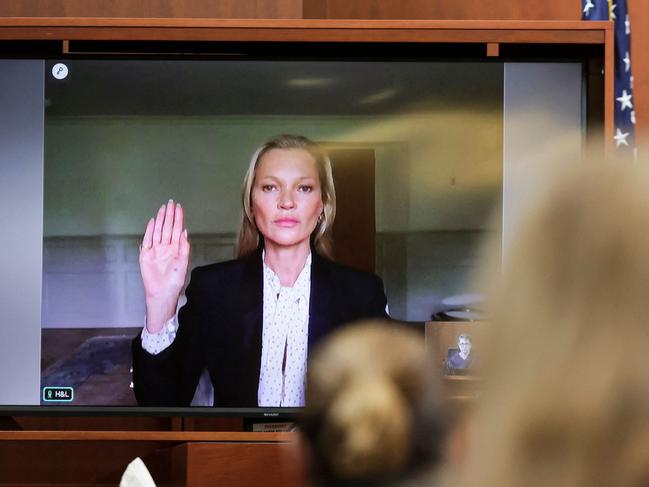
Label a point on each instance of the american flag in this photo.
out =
(616, 10)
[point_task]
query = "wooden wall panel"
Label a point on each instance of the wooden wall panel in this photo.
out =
(79, 463)
(444, 9)
(95, 423)
(286, 9)
(238, 463)
(639, 15)
(124, 423)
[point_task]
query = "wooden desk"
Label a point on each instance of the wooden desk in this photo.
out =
(173, 457)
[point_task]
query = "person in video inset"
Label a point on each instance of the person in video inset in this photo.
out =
(462, 359)
(250, 321)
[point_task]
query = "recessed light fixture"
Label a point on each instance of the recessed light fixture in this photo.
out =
(379, 96)
(310, 82)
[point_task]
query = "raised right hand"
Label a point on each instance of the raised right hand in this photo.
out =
(164, 259)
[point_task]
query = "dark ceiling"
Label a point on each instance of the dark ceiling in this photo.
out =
(236, 87)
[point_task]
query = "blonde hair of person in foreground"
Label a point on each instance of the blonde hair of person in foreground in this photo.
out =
(374, 413)
(567, 356)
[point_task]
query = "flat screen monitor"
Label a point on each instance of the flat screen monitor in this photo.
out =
(424, 152)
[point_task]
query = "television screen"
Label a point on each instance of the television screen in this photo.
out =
(93, 148)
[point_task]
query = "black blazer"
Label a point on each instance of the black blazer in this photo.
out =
(221, 329)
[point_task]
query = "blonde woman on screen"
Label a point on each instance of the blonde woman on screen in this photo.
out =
(567, 396)
(250, 321)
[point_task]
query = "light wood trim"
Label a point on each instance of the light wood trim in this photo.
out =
(318, 30)
(302, 23)
(304, 35)
(171, 436)
(493, 49)
(609, 89)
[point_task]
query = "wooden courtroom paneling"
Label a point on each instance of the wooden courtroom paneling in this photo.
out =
(286, 9)
(105, 423)
(127, 423)
(238, 463)
(100, 457)
(444, 9)
(639, 14)
(51, 462)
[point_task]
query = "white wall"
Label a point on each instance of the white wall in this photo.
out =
(107, 176)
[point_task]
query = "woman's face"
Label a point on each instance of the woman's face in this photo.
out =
(286, 197)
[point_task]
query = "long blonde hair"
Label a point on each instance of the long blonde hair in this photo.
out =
(566, 361)
(321, 237)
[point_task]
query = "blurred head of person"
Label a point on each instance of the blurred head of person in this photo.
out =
(566, 400)
(374, 412)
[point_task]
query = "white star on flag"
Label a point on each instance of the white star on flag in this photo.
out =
(620, 138)
(625, 101)
(623, 130)
(627, 62)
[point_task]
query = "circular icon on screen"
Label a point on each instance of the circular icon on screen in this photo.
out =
(60, 71)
